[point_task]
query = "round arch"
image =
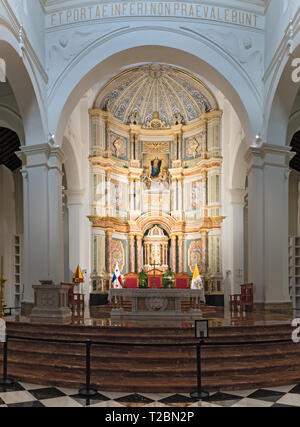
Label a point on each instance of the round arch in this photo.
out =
(11, 119)
(106, 58)
(71, 162)
(148, 220)
(24, 85)
(280, 100)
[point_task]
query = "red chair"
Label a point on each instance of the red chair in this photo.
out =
(131, 281)
(182, 281)
(158, 279)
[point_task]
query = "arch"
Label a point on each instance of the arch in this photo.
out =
(71, 163)
(106, 57)
(239, 170)
(23, 82)
(12, 120)
(148, 220)
(280, 100)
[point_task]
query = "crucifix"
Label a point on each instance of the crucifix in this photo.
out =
(154, 271)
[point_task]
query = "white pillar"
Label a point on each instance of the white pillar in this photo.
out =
(76, 239)
(43, 218)
(237, 202)
(268, 222)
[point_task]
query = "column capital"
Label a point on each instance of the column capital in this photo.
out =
(109, 231)
(268, 155)
(237, 196)
(41, 155)
(75, 197)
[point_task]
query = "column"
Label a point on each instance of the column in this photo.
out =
(180, 253)
(109, 233)
(131, 194)
(139, 240)
(180, 196)
(268, 171)
(173, 253)
(174, 194)
(76, 239)
(43, 217)
(132, 253)
(108, 204)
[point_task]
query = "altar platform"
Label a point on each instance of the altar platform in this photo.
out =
(133, 367)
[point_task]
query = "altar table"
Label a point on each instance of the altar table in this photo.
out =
(155, 303)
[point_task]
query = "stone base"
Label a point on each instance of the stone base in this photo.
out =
(26, 308)
(58, 316)
(280, 307)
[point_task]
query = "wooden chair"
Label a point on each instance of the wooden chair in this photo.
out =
(244, 300)
(77, 306)
(247, 296)
(70, 287)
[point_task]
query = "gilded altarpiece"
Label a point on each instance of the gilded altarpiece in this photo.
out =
(156, 161)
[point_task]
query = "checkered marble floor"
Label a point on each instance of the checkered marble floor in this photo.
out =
(28, 395)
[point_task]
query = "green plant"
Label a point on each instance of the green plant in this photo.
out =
(168, 279)
(143, 280)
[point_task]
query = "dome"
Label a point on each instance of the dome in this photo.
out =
(156, 96)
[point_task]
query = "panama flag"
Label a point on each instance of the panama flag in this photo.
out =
(117, 281)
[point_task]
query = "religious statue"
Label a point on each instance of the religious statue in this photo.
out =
(155, 167)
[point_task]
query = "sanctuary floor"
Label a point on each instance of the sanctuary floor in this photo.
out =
(97, 316)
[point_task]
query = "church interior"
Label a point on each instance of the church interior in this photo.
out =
(149, 214)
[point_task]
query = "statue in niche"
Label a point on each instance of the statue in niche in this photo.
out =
(134, 118)
(165, 178)
(117, 145)
(146, 179)
(177, 119)
(155, 167)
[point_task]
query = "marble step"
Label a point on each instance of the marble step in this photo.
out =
(115, 382)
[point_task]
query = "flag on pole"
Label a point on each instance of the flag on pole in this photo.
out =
(117, 281)
(197, 282)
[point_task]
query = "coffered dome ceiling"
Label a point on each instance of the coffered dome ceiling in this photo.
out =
(156, 92)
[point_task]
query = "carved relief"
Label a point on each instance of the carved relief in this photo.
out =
(117, 145)
(196, 256)
(117, 254)
(195, 145)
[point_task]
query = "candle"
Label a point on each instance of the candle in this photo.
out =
(2, 272)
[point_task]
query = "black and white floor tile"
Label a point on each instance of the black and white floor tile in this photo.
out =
(34, 396)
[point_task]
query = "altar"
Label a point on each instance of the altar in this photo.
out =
(156, 303)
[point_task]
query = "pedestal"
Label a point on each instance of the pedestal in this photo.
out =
(51, 304)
